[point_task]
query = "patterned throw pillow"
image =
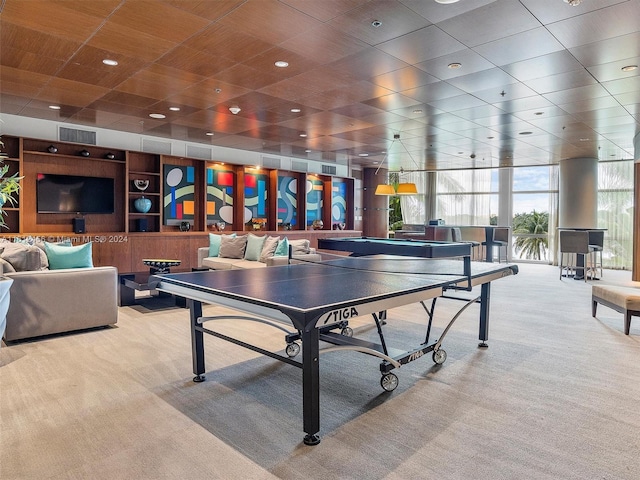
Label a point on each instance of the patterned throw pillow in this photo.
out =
(232, 247)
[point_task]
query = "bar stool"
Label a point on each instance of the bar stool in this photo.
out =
(456, 236)
(596, 245)
(500, 240)
(573, 243)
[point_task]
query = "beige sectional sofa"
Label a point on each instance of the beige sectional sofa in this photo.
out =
(236, 257)
(44, 302)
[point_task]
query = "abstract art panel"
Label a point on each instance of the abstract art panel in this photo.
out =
(315, 188)
(255, 199)
(219, 196)
(287, 201)
(178, 202)
(338, 202)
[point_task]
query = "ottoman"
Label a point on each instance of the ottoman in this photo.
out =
(625, 300)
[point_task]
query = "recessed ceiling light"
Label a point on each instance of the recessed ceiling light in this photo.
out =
(174, 109)
(445, 2)
(363, 154)
(281, 64)
(526, 133)
(539, 113)
(376, 23)
(308, 151)
(490, 138)
(303, 135)
(111, 63)
(54, 107)
(585, 139)
(235, 110)
(460, 153)
(573, 3)
(209, 134)
(629, 68)
(157, 115)
(417, 110)
(295, 110)
(454, 65)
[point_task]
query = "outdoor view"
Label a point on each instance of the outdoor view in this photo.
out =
(472, 197)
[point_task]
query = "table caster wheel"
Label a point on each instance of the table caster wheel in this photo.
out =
(292, 349)
(347, 332)
(389, 382)
(439, 356)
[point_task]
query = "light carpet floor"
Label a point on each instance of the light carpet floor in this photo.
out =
(555, 396)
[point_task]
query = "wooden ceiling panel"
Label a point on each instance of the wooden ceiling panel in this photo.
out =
(130, 42)
(327, 43)
(69, 92)
(368, 64)
(195, 61)
(158, 19)
(225, 41)
(27, 61)
(208, 10)
(325, 10)
(18, 82)
(269, 20)
(68, 20)
(34, 43)
(207, 93)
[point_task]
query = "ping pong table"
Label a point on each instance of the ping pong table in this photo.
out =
(317, 300)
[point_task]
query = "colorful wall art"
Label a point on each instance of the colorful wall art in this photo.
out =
(255, 199)
(287, 201)
(338, 202)
(315, 188)
(219, 196)
(179, 202)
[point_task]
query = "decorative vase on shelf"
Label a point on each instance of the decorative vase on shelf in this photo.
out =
(52, 149)
(140, 184)
(85, 153)
(142, 204)
(317, 225)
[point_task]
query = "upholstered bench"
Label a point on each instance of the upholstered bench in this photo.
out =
(621, 299)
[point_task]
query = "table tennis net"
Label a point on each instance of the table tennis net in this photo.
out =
(400, 265)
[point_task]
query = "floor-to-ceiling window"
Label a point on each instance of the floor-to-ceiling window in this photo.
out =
(615, 212)
(464, 197)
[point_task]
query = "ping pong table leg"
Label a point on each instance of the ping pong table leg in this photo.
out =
(311, 385)
(485, 294)
(197, 341)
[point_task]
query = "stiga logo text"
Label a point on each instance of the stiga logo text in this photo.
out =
(340, 315)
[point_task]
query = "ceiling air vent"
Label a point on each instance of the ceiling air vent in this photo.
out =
(203, 153)
(77, 136)
(154, 146)
(299, 166)
(271, 162)
(329, 169)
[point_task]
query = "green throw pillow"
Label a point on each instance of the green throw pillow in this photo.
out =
(214, 244)
(254, 247)
(282, 250)
(61, 256)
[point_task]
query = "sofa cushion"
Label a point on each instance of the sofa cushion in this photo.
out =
(23, 258)
(6, 267)
(269, 248)
(214, 243)
(218, 263)
(245, 264)
(300, 247)
(61, 256)
(254, 247)
(232, 247)
(282, 250)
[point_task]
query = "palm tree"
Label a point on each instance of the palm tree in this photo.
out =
(525, 226)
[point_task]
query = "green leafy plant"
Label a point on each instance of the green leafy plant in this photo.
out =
(9, 187)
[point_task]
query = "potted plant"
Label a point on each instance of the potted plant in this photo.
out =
(9, 186)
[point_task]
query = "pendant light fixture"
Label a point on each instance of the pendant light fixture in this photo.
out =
(402, 188)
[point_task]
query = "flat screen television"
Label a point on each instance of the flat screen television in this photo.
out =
(74, 194)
